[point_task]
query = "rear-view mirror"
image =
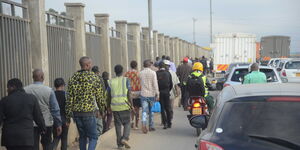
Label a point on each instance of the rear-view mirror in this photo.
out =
(199, 121)
(278, 69)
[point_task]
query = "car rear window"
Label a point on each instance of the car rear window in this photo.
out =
(292, 65)
(268, 119)
(239, 74)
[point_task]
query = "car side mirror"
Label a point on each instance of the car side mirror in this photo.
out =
(278, 69)
(284, 80)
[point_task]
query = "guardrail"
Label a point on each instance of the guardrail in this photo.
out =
(59, 20)
(92, 28)
(15, 9)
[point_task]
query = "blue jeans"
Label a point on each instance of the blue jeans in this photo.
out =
(147, 103)
(87, 128)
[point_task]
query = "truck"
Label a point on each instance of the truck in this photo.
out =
(233, 48)
(276, 46)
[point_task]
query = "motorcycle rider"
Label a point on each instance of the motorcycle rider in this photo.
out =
(198, 73)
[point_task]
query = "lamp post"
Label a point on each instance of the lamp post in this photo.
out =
(210, 21)
(150, 28)
(194, 32)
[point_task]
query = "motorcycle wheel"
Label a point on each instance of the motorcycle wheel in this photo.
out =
(198, 131)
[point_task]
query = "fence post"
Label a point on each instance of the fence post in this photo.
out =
(39, 45)
(155, 44)
(176, 58)
(167, 45)
(103, 21)
(121, 26)
(161, 44)
(147, 53)
(134, 29)
(76, 10)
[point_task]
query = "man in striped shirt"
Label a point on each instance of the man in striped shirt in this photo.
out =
(149, 93)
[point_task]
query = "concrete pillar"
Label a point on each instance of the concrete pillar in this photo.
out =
(146, 54)
(121, 26)
(39, 45)
(76, 10)
(134, 29)
(176, 59)
(167, 45)
(161, 44)
(155, 44)
(171, 41)
(103, 21)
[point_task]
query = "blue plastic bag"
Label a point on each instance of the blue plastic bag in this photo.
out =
(156, 107)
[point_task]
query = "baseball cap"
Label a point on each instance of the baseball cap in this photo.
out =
(185, 59)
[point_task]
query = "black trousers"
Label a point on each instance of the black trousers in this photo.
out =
(46, 139)
(63, 137)
(19, 148)
(184, 96)
(166, 109)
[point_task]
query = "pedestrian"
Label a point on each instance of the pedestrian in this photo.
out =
(135, 83)
(172, 64)
(49, 107)
(99, 114)
(107, 117)
(18, 110)
(211, 66)
(165, 85)
(204, 63)
(149, 93)
(255, 76)
(176, 89)
(183, 72)
(120, 105)
(83, 89)
(60, 94)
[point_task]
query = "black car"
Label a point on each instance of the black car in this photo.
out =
(254, 117)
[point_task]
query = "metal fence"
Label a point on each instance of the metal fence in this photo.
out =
(93, 46)
(15, 47)
(61, 50)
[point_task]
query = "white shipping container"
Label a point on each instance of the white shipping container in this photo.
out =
(233, 47)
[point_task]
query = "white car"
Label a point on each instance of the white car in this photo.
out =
(275, 62)
(237, 74)
(290, 70)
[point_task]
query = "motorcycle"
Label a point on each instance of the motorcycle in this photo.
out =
(199, 114)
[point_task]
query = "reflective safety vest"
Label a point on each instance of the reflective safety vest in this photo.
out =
(118, 88)
(197, 74)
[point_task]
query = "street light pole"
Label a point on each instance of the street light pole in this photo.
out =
(210, 21)
(194, 32)
(150, 28)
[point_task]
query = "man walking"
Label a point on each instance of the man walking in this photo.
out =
(165, 86)
(49, 107)
(60, 94)
(84, 88)
(149, 92)
(255, 76)
(183, 72)
(120, 105)
(17, 112)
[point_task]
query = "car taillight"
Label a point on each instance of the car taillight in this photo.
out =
(204, 145)
(284, 73)
(226, 85)
(284, 99)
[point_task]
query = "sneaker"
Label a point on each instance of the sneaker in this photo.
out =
(165, 127)
(120, 147)
(126, 144)
(170, 126)
(132, 125)
(144, 129)
(152, 129)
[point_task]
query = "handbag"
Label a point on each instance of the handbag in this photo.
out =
(156, 107)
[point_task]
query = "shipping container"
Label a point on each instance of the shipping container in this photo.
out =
(275, 46)
(257, 51)
(232, 48)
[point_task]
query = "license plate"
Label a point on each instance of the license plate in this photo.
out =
(197, 111)
(214, 82)
(297, 74)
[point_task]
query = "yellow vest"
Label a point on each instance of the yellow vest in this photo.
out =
(197, 74)
(118, 88)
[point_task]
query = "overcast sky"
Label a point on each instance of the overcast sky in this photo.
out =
(174, 17)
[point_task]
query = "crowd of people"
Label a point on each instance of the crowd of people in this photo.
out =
(37, 114)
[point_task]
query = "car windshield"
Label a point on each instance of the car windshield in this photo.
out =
(266, 119)
(239, 74)
(292, 65)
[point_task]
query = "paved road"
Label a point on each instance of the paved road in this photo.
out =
(180, 137)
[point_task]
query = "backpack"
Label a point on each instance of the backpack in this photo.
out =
(195, 86)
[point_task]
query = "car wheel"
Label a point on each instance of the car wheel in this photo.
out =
(219, 87)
